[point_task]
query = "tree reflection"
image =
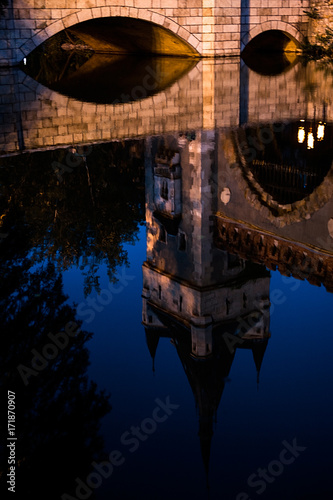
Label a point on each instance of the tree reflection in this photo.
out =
(59, 409)
(51, 224)
(82, 218)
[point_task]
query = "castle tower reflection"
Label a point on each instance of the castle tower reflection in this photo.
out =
(207, 301)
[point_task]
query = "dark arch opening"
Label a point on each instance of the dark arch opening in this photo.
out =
(97, 61)
(271, 52)
(131, 36)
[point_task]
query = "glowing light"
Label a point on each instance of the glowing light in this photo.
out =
(301, 135)
(25, 61)
(310, 141)
(320, 131)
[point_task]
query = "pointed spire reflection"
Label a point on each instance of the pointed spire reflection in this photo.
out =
(207, 301)
(152, 339)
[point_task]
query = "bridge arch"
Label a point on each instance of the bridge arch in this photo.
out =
(111, 12)
(280, 26)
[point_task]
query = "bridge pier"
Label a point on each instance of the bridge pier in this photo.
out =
(210, 28)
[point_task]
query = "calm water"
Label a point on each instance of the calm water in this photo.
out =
(185, 251)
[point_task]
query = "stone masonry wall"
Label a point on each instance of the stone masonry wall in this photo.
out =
(212, 28)
(318, 26)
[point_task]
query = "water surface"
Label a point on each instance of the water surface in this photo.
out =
(188, 235)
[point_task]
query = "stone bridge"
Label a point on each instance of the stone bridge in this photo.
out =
(198, 27)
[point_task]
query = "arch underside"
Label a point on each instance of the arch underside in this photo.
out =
(280, 39)
(189, 43)
(273, 35)
(145, 32)
(131, 36)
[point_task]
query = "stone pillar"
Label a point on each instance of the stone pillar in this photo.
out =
(208, 94)
(208, 27)
(201, 153)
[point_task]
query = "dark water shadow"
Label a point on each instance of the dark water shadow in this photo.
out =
(270, 63)
(109, 78)
(113, 79)
(271, 53)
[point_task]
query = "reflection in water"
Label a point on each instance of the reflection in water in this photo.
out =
(265, 64)
(137, 78)
(102, 77)
(287, 160)
(212, 94)
(49, 229)
(57, 408)
(59, 209)
(200, 288)
(207, 301)
(278, 58)
(224, 207)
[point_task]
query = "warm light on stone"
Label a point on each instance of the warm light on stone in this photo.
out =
(203, 27)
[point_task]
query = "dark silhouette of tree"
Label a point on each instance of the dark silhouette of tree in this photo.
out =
(57, 408)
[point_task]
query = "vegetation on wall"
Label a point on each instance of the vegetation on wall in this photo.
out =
(313, 13)
(322, 47)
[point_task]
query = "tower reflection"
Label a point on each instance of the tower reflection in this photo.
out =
(207, 301)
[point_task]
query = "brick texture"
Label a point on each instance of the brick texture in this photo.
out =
(212, 28)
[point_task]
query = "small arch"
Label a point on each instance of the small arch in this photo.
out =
(262, 42)
(290, 31)
(193, 44)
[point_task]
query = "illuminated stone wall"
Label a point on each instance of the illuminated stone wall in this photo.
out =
(211, 28)
(325, 20)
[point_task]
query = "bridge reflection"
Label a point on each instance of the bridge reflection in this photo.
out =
(157, 98)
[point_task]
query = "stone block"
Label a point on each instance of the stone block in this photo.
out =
(86, 14)
(70, 20)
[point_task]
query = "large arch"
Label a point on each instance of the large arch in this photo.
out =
(106, 12)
